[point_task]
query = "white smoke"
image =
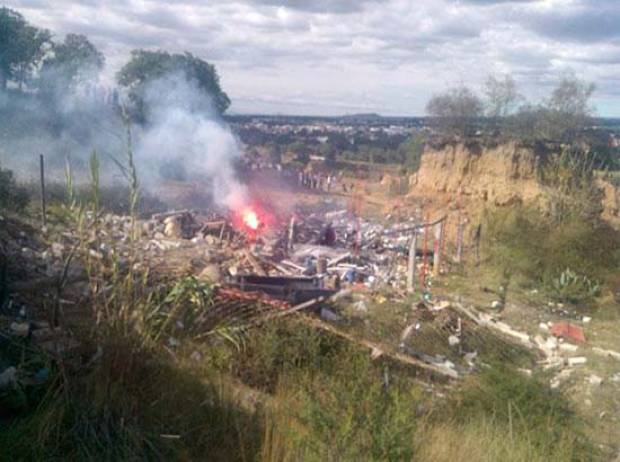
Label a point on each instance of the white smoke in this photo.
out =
(184, 129)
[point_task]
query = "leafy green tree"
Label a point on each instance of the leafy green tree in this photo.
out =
(455, 110)
(71, 63)
(411, 152)
(21, 47)
(144, 67)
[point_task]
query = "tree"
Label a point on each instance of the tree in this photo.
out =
(145, 67)
(455, 110)
(502, 96)
(21, 47)
(411, 151)
(568, 108)
(562, 117)
(74, 62)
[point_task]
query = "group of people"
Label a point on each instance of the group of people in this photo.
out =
(319, 181)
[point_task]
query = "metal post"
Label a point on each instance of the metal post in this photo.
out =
(42, 168)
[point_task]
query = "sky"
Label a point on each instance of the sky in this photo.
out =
(333, 57)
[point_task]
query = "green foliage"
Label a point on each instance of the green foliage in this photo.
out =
(456, 110)
(145, 67)
(71, 63)
(350, 414)
(21, 45)
(526, 405)
(533, 246)
(12, 196)
(570, 287)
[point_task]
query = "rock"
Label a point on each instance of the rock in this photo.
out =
(21, 329)
(497, 305)
(568, 347)
(442, 305)
(233, 270)
(407, 332)
(586, 319)
(543, 326)
(57, 249)
(595, 380)
(172, 228)
(329, 315)
(210, 273)
(454, 340)
(8, 377)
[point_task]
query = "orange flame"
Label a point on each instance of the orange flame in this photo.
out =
(250, 219)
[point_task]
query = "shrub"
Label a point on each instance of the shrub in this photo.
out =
(12, 196)
(529, 244)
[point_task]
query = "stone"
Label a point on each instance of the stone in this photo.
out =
(496, 305)
(210, 273)
(21, 329)
(8, 377)
(595, 380)
(454, 340)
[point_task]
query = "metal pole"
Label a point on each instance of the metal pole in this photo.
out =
(42, 168)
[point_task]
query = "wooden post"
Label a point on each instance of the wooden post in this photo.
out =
(459, 229)
(437, 248)
(42, 168)
(291, 234)
(459, 239)
(411, 263)
(424, 256)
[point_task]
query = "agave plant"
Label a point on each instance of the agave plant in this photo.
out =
(572, 287)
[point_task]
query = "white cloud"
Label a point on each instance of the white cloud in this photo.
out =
(330, 57)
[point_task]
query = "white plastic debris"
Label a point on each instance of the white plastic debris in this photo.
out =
(577, 360)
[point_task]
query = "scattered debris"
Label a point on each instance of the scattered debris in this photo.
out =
(568, 331)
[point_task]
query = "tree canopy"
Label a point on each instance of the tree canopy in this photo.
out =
(70, 63)
(455, 110)
(145, 67)
(21, 47)
(502, 95)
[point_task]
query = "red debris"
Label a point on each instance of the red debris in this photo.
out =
(568, 331)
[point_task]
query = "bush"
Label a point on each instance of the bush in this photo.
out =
(524, 242)
(12, 196)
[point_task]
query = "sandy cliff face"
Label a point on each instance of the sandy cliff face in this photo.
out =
(499, 175)
(489, 175)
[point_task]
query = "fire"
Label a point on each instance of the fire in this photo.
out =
(250, 218)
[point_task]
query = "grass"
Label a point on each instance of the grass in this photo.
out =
(136, 397)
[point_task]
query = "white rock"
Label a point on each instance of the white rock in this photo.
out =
(497, 305)
(595, 380)
(454, 340)
(7, 377)
(544, 327)
(586, 319)
(442, 305)
(568, 347)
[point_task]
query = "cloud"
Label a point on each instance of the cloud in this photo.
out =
(328, 56)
